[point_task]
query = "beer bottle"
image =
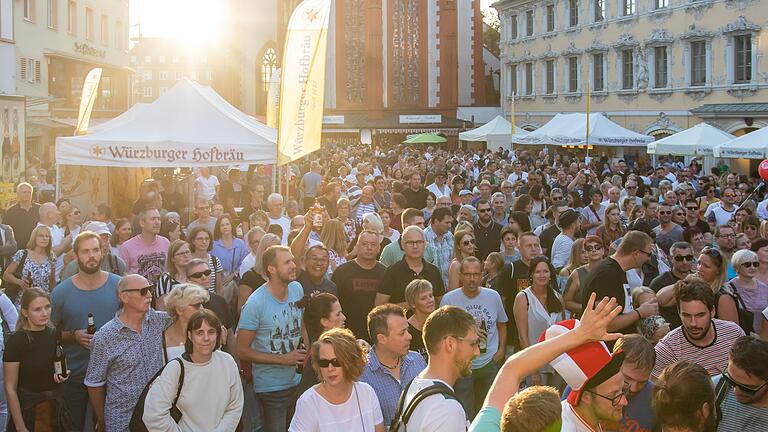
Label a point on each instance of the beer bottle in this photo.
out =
(300, 366)
(91, 325)
(60, 359)
(483, 337)
(317, 216)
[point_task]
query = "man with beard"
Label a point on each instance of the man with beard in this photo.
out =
(269, 336)
(126, 353)
(684, 399)
(701, 339)
(89, 292)
(110, 263)
(744, 403)
(681, 257)
(146, 253)
(452, 341)
(487, 232)
(415, 194)
(668, 232)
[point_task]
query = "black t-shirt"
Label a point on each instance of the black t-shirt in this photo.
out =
(34, 350)
(252, 279)
(219, 305)
(357, 288)
(607, 279)
(173, 201)
(547, 238)
(417, 341)
(249, 209)
(399, 275)
(488, 239)
(700, 224)
(416, 199)
(669, 313)
(227, 190)
(311, 288)
(512, 279)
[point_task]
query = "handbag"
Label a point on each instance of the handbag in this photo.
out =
(229, 290)
(12, 290)
(746, 317)
(137, 420)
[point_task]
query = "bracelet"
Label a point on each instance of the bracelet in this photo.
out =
(639, 317)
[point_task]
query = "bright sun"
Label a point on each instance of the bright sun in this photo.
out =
(193, 21)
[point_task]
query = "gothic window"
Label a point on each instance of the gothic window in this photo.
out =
(268, 67)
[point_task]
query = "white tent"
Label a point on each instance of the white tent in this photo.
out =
(753, 145)
(189, 126)
(571, 129)
(497, 133)
(696, 141)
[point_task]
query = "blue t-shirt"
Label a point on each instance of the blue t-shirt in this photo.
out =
(638, 414)
(278, 330)
(70, 308)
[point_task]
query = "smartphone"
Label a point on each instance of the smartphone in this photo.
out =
(586, 171)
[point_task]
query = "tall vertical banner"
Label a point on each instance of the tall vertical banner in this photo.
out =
(302, 90)
(273, 99)
(87, 100)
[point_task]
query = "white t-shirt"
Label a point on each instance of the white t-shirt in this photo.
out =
(207, 186)
(361, 412)
(435, 189)
(515, 177)
(722, 216)
(435, 413)
(572, 422)
(286, 224)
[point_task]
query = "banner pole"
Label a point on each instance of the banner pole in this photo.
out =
(589, 94)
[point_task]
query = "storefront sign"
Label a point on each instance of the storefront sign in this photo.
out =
(421, 118)
(335, 119)
(88, 50)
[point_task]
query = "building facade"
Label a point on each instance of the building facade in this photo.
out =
(653, 66)
(7, 47)
(57, 42)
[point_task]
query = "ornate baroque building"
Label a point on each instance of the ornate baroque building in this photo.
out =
(654, 66)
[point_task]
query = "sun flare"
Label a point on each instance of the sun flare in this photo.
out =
(192, 21)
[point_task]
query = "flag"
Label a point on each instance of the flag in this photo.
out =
(302, 89)
(87, 99)
(273, 99)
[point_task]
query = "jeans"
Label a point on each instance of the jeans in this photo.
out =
(76, 397)
(251, 410)
(274, 409)
(471, 390)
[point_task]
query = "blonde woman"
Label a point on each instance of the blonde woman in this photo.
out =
(421, 301)
(179, 255)
(334, 238)
(255, 277)
(577, 259)
(463, 247)
(37, 265)
(181, 303)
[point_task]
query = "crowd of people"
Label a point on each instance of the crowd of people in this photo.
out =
(399, 289)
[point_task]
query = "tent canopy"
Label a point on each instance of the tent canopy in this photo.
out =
(189, 126)
(696, 141)
(753, 145)
(571, 129)
(426, 138)
(497, 133)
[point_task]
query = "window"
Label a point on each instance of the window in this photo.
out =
(178, 75)
(175, 59)
(163, 75)
(549, 66)
(52, 14)
(529, 78)
(147, 74)
(573, 74)
(698, 63)
(660, 4)
(627, 69)
(133, 59)
(119, 36)
(599, 10)
(573, 13)
(104, 30)
(628, 7)
(743, 61)
(29, 10)
(550, 18)
(660, 70)
(161, 59)
(89, 24)
(161, 91)
(268, 67)
(511, 80)
(147, 59)
(209, 75)
(147, 92)
(193, 75)
(513, 29)
(598, 72)
(30, 70)
(72, 17)
(529, 22)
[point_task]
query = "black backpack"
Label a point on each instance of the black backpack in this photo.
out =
(721, 391)
(137, 421)
(404, 413)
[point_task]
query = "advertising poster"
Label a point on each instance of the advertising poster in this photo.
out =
(12, 152)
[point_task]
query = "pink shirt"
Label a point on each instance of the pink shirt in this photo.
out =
(146, 259)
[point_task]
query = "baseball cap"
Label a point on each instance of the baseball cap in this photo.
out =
(97, 227)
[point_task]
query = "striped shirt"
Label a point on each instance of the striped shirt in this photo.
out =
(714, 357)
(387, 387)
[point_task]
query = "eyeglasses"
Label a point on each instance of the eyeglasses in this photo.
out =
(468, 242)
(324, 363)
(184, 253)
(558, 198)
(616, 400)
(754, 264)
(646, 252)
(590, 248)
(750, 227)
(484, 210)
(414, 243)
(631, 187)
(203, 208)
(681, 258)
(472, 342)
(750, 391)
(198, 275)
(142, 291)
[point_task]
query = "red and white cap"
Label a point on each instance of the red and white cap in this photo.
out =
(585, 366)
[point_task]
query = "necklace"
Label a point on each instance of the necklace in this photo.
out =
(399, 359)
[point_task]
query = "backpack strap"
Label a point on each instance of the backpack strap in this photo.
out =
(401, 402)
(181, 380)
(721, 391)
(437, 388)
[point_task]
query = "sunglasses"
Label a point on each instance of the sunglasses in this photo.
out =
(665, 212)
(142, 291)
(200, 274)
(680, 214)
(754, 264)
(681, 258)
(693, 208)
(593, 248)
(713, 253)
(324, 363)
(468, 242)
(484, 210)
(749, 391)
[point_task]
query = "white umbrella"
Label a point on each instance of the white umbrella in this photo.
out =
(696, 141)
(753, 145)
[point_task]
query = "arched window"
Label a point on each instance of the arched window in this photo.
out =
(268, 67)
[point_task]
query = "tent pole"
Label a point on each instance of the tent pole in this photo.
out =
(58, 182)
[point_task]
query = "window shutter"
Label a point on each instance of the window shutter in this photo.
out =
(37, 71)
(23, 69)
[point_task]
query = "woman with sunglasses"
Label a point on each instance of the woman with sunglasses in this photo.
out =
(752, 292)
(339, 402)
(179, 254)
(678, 214)
(463, 246)
(181, 303)
(760, 247)
(708, 199)
(536, 308)
(211, 398)
(751, 227)
(593, 247)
